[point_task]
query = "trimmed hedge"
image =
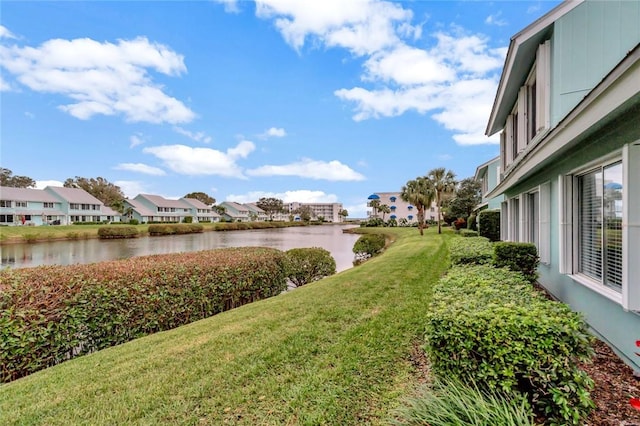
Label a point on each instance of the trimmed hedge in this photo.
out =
(49, 314)
(489, 224)
(490, 325)
(470, 250)
(468, 233)
(175, 228)
(305, 265)
(119, 231)
(519, 257)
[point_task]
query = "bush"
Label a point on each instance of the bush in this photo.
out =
(489, 224)
(449, 402)
(470, 250)
(520, 257)
(133, 222)
(174, 228)
(305, 265)
(468, 233)
(107, 232)
(370, 244)
(471, 222)
(491, 325)
(49, 314)
(460, 223)
(187, 219)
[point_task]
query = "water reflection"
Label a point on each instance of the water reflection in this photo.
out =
(329, 237)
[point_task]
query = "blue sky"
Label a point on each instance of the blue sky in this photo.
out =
(323, 101)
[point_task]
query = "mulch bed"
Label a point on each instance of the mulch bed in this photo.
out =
(614, 385)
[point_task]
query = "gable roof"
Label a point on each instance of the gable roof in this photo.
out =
(139, 207)
(159, 201)
(520, 58)
(73, 195)
(195, 203)
(481, 170)
(26, 194)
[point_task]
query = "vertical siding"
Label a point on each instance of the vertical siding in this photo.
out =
(587, 43)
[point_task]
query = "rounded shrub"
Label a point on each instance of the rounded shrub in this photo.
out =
(369, 244)
(122, 231)
(305, 265)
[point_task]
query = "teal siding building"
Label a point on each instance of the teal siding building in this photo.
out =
(568, 113)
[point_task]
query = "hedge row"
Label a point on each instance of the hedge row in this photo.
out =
(120, 231)
(470, 250)
(50, 314)
(236, 226)
(491, 326)
(175, 228)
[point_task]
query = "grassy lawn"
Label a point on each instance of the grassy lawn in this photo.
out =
(335, 352)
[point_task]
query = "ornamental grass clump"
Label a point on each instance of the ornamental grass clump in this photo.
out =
(50, 314)
(478, 250)
(492, 326)
(449, 402)
(305, 265)
(175, 228)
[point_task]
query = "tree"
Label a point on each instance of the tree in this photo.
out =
(343, 214)
(99, 187)
(466, 199)
(305, 213)
(420, 193)
(202, 197)
(7, 179)
(443, 183)
(220, 209)
(375, 205)
(384, 209)
(271, 206)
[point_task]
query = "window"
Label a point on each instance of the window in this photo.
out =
(6, 218)
(600, 225)
(74, 206)
(5, 203)
(21, 204)
(48, 205)
(530, 113)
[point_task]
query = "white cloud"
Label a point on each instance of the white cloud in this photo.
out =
(300, 195)
(102, 78)
(4, 85)
(186, 160)
(42, 184)
(495, 20)
(135, 140)
(197, 136)
(362, 27)
(131, 188)
(5, 33)
(311, 169)
(140, 168)
(274, 132)
(230, 6)
(397, 76)
(357, 210)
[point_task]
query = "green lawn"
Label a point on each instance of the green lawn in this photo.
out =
(335, 352)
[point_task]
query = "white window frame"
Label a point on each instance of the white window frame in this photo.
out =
(629, 296)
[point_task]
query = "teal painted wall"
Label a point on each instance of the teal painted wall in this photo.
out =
(586, 44)
(607, 318)
(492, 177)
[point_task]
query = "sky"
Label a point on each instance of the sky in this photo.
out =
(309, 101)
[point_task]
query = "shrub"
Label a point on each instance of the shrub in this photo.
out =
(460, 223)
(175, 228)
(470, 250)
(489, 224)
(107, 232)
(521, 257)
(370, 244)
(490, 325)
(187, 219)
(471, 222)
(468, 233)
(49, 314)
(133, 222)
(449, 402)
(305, 265)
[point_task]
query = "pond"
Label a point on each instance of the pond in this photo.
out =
(329, 237)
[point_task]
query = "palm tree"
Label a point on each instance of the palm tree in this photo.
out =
(443, 183)
(375, 205)
(384, 209)
(343, 214)
(420, 193)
